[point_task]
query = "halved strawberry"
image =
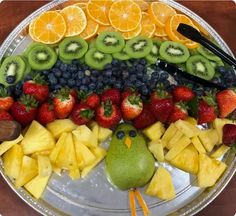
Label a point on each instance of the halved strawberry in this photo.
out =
(6, 101)
(82, 114)
(182, 93)
(179, 112)
(91, 99)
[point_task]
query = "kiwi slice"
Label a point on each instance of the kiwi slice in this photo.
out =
(200, 67)
(42, 57)
(30, 47)
(110, 42)
(193, 52)
(27, 65)
(217, 64)
(138, 47)
(92, 44)
(122, 55)
(153, 55)
(73, 48)
(208, 54)
(97, 59)
(12, 70)
(174, 52)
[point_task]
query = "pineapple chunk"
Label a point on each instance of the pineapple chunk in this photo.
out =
(56, 170)
(44, 166)
(187, 160)
(177, 148)
(161, 185)
(103, 133)
(37, 138)
(100, 153)
(74, 174)
(12, 161)
(220, 151)
(37, 186)
(169, 133)
(60, 126)
(155, 131)
(198, 145)
(156, 147)
(209, 138)
(4, 146)
(210, 170)
(86, 136)
(176, 137)
(66, 158)
(29, 169)
(94, 128)
(187, 128)
(191, 120)
(84, 156)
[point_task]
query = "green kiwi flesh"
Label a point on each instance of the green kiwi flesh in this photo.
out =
(122, 55)
(30, 47)
(208, 54)
(12, 66)
(42, 57)
(174, 52)
(110, 42)
(73, 48)
(154, 54)
(138, 47)
(27, 65)
(65, 61)
(97, 59)
(217, 64)
(200, 66)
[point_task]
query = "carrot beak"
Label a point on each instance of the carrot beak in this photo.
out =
(128, 142)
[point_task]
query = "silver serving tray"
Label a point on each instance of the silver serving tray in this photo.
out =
(94, 196)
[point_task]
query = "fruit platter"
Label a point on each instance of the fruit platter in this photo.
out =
(106, 109)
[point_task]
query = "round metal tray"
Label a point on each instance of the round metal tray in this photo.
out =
(94, 196)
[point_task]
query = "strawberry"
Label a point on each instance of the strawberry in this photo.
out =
(38, 88)
(126, 93)
(112, 94)
(182, 93)
(229, 134)
(74, 94)
(46, 113)
(131, 106)
(206, 111)
(63, 103)
(5, 116)
(91, 99)
(25, 109)
(82, 114)
(226, 101)
(6, 100)
(145, 119)
(108, 115)
(179, 112)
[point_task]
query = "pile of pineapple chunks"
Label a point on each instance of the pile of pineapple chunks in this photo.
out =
(31, 159)
(188, 148)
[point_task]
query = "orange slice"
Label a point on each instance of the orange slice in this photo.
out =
(160, 32)
(98, 11)
(160, 13)
(82, 5)
(125, 15)
(75, 18)
(49, 27)
(105, 28)
(31, 30)
(142, 4)
(172, 25)
(131, 34)
(90, 30)
(148, 27)
(201, 29)
(191, 44)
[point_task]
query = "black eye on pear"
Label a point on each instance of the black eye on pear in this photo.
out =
(120, 134)
(132, 133)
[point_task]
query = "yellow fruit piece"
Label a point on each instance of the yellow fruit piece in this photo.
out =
(103, 134)
(50, 27)
(98, 11)
(160, 31)
(60, 126)
(201, 29)
(220, 151)
(44, 166)
(31, 30)
(209, 138)
(125, 15)
(148, 27)
(177, 148)
(187, 128)
(175, 138)
(4, 146)
(106, 28)
(156, 147)
(210, 170)
(94, 128)
(132, 34)
(161, 185)
(198, 145)
(76, 20)
(82, 5)
(142, 4)
(187, 160)
(99, 153)
(90, 30)
(12, 161)
(29, 169)
(191, 120)
(191, 44)
(74, 174)
(37, 139)
(154, 131)
(169, 133)
(37, 186)
(160, 13)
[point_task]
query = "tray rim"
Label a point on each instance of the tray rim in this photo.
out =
(41, 207)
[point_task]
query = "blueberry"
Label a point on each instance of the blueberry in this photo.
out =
(163, 76)
(57, 87)
(139, 74)
(216, 80)
(139, 68)
(92, 86)
(57, 72)
(145, 78)
(112, 80)
(144, 90)
(143, 62)
(52, 79)
(62, 81)
(83, 88)
(100, 79)
(66, 75)
(138, 83)
(10, 79)
(120, 134)
(155, 75)
(118, 85)
(99, 86)
(93, 79)
(132, 133)
(85, 80)
(85, 67)
(80, 74)
(87, 72)
(75, 62)
(115, 62)
(78, 83)
(221, 69)
(132, 70)
(63, 67)
(108, 66)
(72, 68)
(58, 64)
(44, 72)
(108, 73)
(71, 83)
(125, 74)
(106, 80)
(94, 72)
(123, 65)
(132, 78)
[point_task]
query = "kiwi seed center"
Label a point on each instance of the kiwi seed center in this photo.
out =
(110, 41)
(98, 55)
(154, 50)
(200, 67)
(73, 47)
(174, 51)
(11, 69)
(139, 45)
